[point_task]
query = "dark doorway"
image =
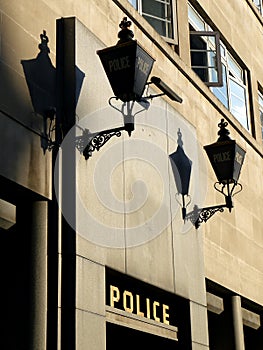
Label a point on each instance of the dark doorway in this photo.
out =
(119, 337)
(253, 338)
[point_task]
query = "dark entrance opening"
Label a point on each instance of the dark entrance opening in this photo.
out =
(119, 338)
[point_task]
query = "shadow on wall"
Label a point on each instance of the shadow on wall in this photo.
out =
(42, 83)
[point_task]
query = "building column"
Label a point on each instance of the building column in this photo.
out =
(32, 224)
(38, 270)
(238, 322)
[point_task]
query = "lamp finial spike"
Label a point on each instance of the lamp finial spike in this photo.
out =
(179, 140)
(223, 132)
(125, 34)
(43, 46)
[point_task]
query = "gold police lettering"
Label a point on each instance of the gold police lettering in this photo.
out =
(119, 63)
(222, 157)
(143, 66)
(133, 304)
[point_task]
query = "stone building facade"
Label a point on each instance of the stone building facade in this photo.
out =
(95, 252)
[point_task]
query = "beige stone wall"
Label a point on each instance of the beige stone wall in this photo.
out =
(22, 158)
(230, 244)
(138, 201)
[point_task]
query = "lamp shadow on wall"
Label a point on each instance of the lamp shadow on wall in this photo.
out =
(182, 169)
(41, 80)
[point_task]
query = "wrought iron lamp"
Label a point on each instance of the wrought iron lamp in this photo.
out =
(226, 158)
(127, 66)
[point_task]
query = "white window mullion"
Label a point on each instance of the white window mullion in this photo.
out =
(139, 4)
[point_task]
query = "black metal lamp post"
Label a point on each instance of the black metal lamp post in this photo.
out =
(226, 158)
(127, 66)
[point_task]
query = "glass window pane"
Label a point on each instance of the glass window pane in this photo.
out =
(155, 8)
(198, 53)
(196, 21)
(199, 59)
(235, 68)
(221, 92)
(158, 14)
(211, 55)
(258, 3)
(202, 73)
(162, 27)
(238, 103)
(134, 3)
(222, 51)
(213, 75)
(260, 100)
(237, 90)
(212, 41)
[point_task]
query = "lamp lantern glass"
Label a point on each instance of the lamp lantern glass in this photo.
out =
(225, 156)
(127, 67)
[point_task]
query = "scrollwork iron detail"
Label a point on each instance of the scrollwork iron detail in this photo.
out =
(199, 215)
(207, 213)
(97, 141)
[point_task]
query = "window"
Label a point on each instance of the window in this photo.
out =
(205, 50)
(258, 3)
(232, 89)
(205, 57)
(260, 102)
(233, 93)
(160, 14)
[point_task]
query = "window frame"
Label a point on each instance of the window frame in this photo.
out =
(172, 3)
(210, 48)
(196, 22)
(241, 82)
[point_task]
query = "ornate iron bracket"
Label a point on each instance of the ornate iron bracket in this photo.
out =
(199, 215)
(90, 142)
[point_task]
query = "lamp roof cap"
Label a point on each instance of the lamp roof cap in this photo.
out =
(125, 34)
(223, 132)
